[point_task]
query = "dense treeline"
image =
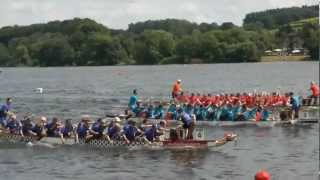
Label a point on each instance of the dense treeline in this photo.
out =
(84, 42)
(274, 18)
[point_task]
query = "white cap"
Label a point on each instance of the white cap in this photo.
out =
(179, 80)
(117, 119)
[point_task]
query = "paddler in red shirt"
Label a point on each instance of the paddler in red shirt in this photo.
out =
(314, 88)
(176, 89)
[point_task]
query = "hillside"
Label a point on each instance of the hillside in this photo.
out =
(273, 18)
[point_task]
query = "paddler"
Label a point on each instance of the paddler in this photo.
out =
(176, 89)
(99, 132)
(27, 126)
(150, 133)
(4, 110)
(53, 128)
(188, 123)
(14, 126)
(67, 130)
(39, 129)
(130, 131)
(114, 130)
(314, 88)
(83, 127)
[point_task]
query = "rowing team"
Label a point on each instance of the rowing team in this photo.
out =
(250, 99)
(100, 129)
(224, 112)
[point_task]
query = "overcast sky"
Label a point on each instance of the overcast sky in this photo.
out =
(119, 13)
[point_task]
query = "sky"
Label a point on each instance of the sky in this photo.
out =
(117, 14)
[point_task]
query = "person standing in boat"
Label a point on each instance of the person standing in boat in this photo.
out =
(294, 101)
(188, 123)
(314, 88)
(133, 101)
(176, 89)
(4, 110)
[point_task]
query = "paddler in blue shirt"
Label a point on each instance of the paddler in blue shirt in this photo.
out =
(158, 112)
(172, 111)
(99, 131)
(130, 131)
(188, 123)
(39, 128)
(150, 133)
(14, 126)
(67, 130)
(4, 110)
(114, 130)
(133, 101)
(83, 128)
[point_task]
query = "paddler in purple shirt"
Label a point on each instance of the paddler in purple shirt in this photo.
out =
(4, 111)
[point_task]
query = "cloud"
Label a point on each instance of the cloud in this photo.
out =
(119, 13)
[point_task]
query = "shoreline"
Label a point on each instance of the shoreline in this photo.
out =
(264, 59)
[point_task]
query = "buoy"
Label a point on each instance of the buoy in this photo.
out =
(262, 175)
(39, 90)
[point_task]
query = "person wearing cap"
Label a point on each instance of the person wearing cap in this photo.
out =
(83, 128)
(314, 88)
(114, 130)
(176, 89)
(98, 132)
(14, 126)
(4, 110)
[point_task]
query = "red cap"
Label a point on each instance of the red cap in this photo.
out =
(262, 175)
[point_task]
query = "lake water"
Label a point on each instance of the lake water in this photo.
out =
(286, 152)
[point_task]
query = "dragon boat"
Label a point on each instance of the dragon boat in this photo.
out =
(166, 143)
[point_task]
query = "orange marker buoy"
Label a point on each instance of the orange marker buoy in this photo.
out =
(262, 175)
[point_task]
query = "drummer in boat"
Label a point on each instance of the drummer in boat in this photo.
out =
(176, 89)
